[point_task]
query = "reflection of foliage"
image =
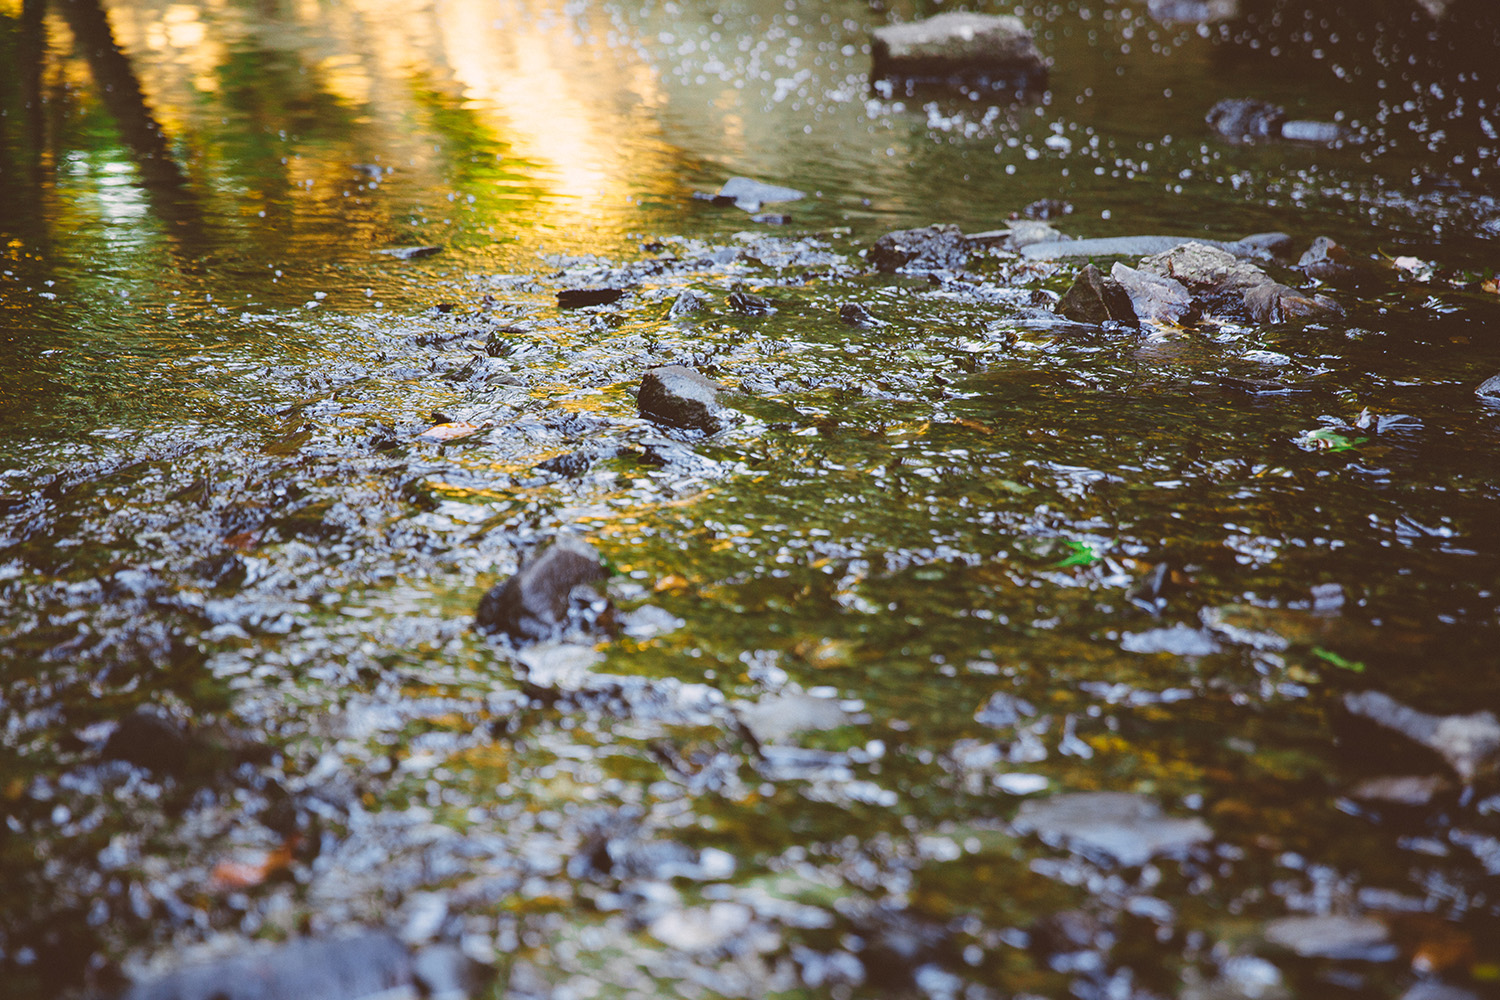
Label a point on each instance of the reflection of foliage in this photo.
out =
(479, 159)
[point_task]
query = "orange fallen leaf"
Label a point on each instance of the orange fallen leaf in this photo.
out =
(671, 582)
(455, 431)
(252, 869)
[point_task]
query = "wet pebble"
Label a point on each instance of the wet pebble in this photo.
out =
(680, 397)
(1127, 828)
(989, 49)
(1336, 937)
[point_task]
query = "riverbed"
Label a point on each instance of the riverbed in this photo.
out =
(984, 652)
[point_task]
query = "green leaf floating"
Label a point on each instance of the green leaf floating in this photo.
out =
(1330, 657)
(1082, 554)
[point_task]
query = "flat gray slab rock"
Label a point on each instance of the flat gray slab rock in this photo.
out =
(363, 967)
(1348, 938)
(1259, 245)
(776, 717)
(994, 50)
(1124, 827)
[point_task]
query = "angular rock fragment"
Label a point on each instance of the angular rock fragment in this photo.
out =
(960, 48)
(1096, 299)
(931, 248)
(1127, 828)
(1489, 389)
(534, 604)
(1470, 744)
(1326, 260)
(1272, 302)
(678, 396)
(1153, 298)
(1004, 709)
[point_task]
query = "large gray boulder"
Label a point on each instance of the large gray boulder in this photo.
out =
(957, 47)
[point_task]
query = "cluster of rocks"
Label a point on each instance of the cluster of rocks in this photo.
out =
(1178, 285)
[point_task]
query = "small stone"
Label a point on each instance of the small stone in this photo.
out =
(686, 304)
(704, 928)
(1004, 709)
(577, 298)
(1193, 11)
(931, 248)
(1401, 790)
(747, 304)
(1343, 938)
(1272, 302)
(1096, 299)
(991, 50)
(855, 314)
(678, 396)
(410, 253)
(750, 195)
(1326, 260)
(1319, 133)
(1244, 120)
(534, 603)
(1179, 640)
(1489, 389)
(1128, 828)
(776, 717)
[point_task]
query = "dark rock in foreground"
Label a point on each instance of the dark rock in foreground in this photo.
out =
(1470, 744)
(996, 51)
(356, 968)
(931, 248)
(534, 604)
(577, 298)
(680, 397)
(1096, 299)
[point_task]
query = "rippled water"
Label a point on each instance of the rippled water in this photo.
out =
(1003, 555)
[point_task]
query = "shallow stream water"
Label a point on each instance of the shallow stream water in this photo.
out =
(948, 567)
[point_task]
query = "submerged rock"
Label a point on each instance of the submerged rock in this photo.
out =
(578, 298)
(1246, 120)
(1193, 11)
(1345, 938)
(750, 195)
(956, 47)
(1096, 299)
(931, 248)
(1470, 744)
(1489, 389)
(534, 604)
(1127, 828)
(362, 967)
(680, 397)
(776, 717)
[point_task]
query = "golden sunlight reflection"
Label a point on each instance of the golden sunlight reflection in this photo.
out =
(552, 94)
